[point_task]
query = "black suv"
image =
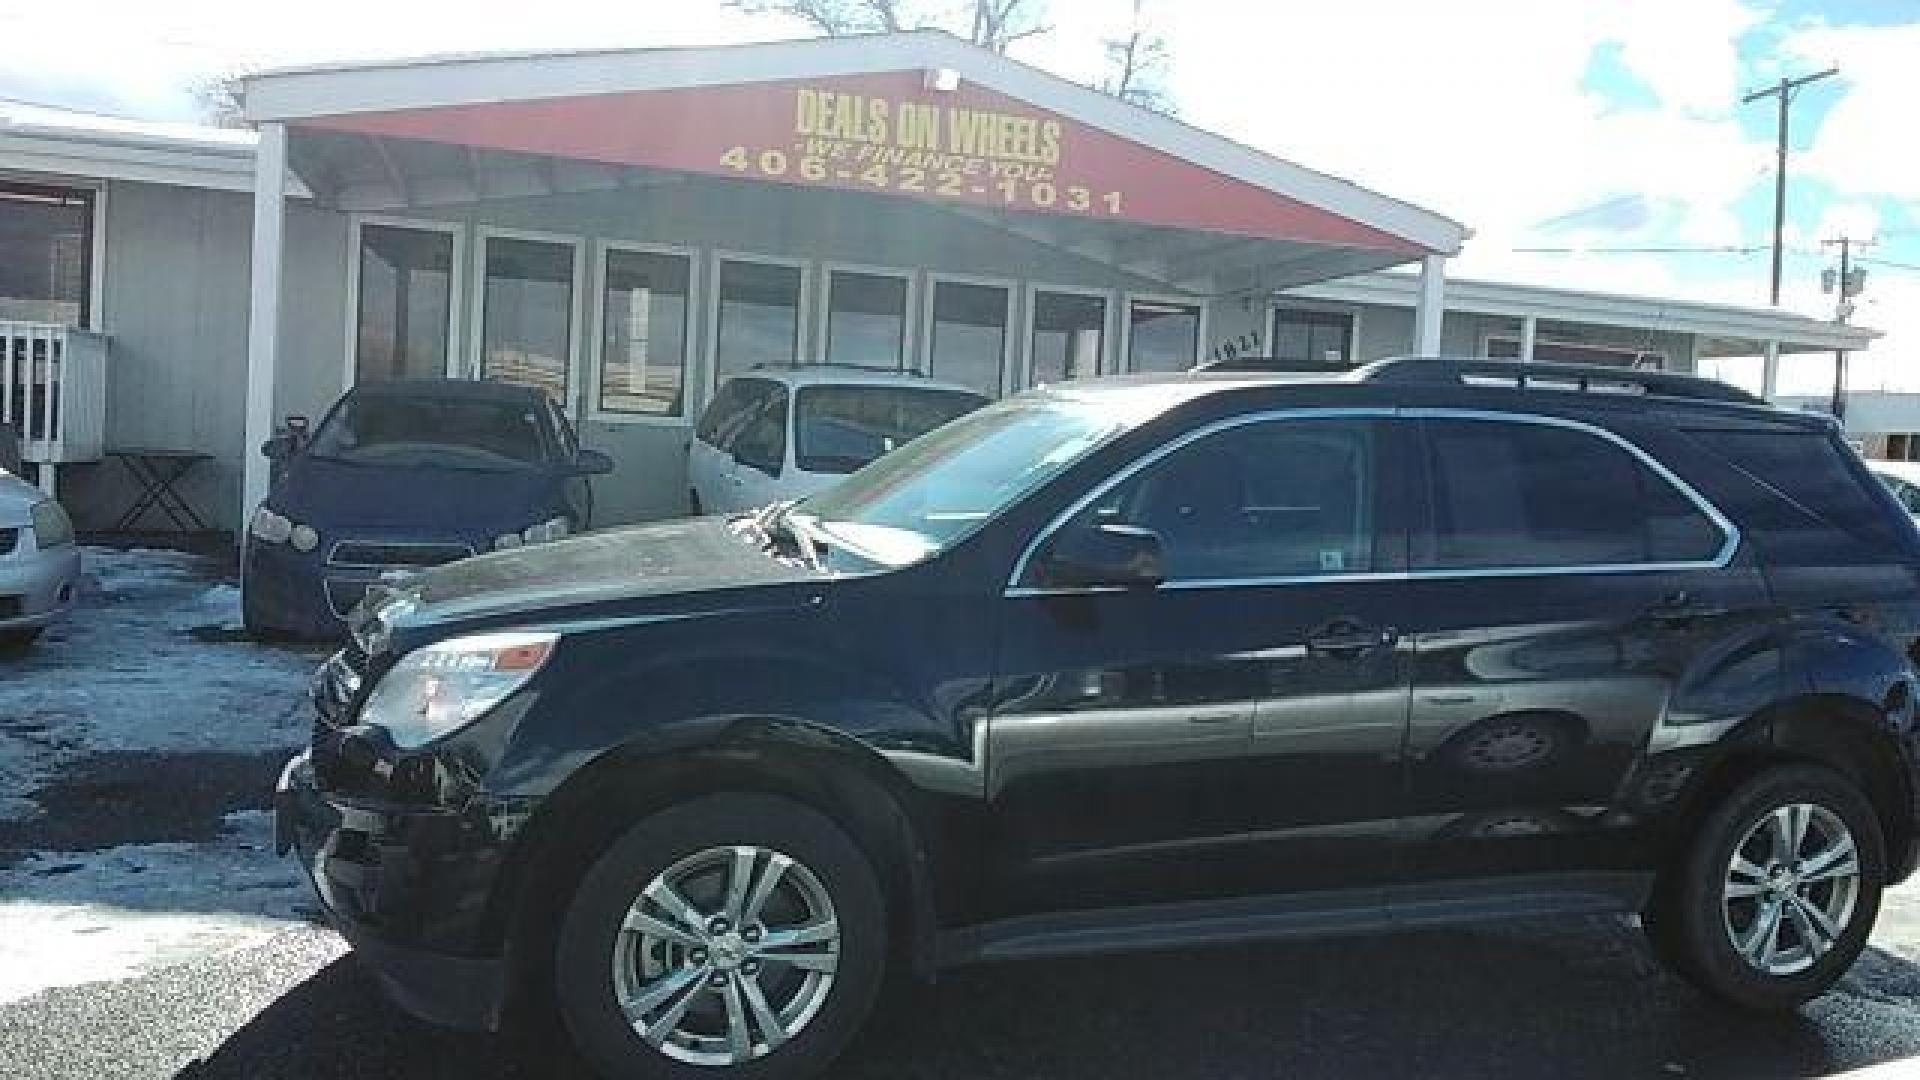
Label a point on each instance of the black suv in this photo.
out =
(1139, 663)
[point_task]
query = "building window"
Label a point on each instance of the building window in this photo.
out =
(1309, 339)
(866, 320)
(526, 334)
(643, 333)
(967, 335)
(759, 317)
(1548, 351)
(405, 303)
(1162, 336)
(46, 235)
(1069, 336)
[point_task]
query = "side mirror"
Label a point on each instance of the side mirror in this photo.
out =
(280, 447)
(1108, 555)
(592, 463)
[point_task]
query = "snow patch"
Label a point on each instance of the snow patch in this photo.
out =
(122, 672)
(215, 608)
(73, 918)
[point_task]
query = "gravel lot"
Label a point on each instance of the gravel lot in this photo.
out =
(145, 930)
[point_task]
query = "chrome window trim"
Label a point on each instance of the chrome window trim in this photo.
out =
(1730, 532)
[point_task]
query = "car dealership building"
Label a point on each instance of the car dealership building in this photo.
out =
(627, 229)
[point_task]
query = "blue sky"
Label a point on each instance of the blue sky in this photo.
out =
(1586, 124)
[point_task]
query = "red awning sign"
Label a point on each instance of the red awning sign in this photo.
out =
(884, 132)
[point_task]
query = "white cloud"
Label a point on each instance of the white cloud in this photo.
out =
(1865, 143)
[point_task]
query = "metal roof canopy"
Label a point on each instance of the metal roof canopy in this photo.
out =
(1722, 329)
(1213, 216)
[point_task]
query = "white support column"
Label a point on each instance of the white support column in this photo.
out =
(263, 310)
(1432, 306)
(1529, 329)
(49, 486)
(1770, 371)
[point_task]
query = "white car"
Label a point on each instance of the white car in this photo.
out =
(39, 562)
(1903, 479)
(786, 433)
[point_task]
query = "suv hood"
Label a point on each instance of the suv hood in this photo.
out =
(660, 560)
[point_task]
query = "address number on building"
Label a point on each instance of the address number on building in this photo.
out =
(1013, 190)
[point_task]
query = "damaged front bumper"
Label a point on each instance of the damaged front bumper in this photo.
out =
(405, 886)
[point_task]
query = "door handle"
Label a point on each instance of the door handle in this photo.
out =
(1345, 638)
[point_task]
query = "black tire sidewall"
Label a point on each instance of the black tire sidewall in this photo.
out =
(582, 962)
(1694, 930)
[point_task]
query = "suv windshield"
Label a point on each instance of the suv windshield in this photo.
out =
(462, 433)
(935, 490)
(838, 429)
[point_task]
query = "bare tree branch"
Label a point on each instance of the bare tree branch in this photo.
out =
(999, 23)
(834, 18)
(1137, 63)
(221, 99)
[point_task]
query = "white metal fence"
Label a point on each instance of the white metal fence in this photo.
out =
(53, 390)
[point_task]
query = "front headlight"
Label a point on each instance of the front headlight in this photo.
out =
(439, 689)
(280, 529)
(269, 526)
(51, 526)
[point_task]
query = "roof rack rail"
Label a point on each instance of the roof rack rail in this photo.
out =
(1533, 375)
(836, 365)
(1259, 364)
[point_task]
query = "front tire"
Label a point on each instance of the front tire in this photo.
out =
(1774, 900)
(734, 935)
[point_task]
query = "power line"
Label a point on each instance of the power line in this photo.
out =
(1656, 249)
(1893, 263)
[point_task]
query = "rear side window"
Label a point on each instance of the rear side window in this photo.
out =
(1511, 494)
(1813, 472)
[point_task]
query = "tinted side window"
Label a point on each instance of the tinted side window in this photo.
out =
(762, 442)
(1279, 498)
(1812, 470)
(1513, 494)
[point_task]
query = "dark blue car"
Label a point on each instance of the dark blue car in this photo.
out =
(401, 476)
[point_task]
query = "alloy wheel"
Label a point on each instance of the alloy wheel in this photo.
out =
(726, 955)
(1790, 889)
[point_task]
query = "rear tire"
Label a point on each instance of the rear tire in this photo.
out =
(1774, 899)
(683, 912)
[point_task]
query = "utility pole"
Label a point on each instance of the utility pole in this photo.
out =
(1784, 91)
(1847, 284)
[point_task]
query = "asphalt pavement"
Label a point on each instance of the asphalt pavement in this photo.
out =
(1584, 999)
